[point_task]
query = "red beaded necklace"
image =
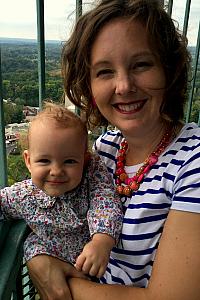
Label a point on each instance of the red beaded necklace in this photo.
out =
(126, 186)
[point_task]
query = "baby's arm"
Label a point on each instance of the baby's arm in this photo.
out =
(94, 258)
(10, 205)
(104, 219)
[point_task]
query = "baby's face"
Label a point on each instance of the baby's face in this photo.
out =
(55, 158)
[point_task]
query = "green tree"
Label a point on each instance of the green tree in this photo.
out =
(195, 111)
(18, 115)
(7, 113)
(6, 88)
(20, 72)
(13, 113)
(20, 102)
(17, 170)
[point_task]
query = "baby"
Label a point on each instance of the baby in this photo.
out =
(69, 203)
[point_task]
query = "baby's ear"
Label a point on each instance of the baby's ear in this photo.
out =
(26, 156)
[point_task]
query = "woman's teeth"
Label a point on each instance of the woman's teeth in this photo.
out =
(129, 107)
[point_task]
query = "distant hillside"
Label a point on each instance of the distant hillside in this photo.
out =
(5, 40)
(16, 40)
(20, 70)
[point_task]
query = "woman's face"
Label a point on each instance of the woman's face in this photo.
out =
(127, 80)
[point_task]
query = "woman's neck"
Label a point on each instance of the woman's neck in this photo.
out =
(140, 147)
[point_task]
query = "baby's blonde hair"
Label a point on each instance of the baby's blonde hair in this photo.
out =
(62, 117)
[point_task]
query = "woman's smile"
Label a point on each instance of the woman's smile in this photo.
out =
(129, 108)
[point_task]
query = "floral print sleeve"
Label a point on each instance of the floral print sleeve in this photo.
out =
(105, 211)
(10, 199)
(34, 245)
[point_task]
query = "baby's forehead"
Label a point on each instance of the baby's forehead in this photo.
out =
(47, 122)
(43, 125)
(43, 119)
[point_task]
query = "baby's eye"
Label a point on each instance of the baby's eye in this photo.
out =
(70, 161)
(43, 161)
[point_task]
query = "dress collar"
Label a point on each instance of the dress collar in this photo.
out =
(45, 201)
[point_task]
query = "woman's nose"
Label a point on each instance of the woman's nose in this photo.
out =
(124, 84)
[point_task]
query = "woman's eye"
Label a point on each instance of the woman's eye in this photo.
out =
(104, 72)
(142, 65)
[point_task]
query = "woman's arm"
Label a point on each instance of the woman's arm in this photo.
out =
(175, 276)
(176, 270)
(49, 276)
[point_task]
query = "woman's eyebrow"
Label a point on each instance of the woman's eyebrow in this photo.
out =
(101, 63)
(104, 63)
(142, 54)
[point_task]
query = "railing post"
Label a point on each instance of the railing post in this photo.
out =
(189, 109)
(3, 157)
(186, 18)
(169, 8)
(41, 50)
(78, 14)
(78, 9)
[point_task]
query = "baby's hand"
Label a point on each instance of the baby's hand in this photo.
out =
(95, 255)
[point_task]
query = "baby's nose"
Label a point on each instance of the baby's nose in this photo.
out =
(56, 170)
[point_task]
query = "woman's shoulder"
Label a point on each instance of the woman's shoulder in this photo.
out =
(110, 139)
(184, 169)
(189, 137)
(190, 129)
(107, 146)
(185, 145)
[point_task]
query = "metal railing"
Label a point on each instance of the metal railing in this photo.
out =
(13, 284)
(195, 63)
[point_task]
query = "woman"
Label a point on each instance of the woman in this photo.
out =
(126, 64)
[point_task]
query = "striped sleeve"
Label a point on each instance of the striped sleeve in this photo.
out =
(186, 196)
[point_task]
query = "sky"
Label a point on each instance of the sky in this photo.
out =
(18, 18)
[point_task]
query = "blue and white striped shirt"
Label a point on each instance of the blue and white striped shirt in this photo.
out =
(172, 183)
